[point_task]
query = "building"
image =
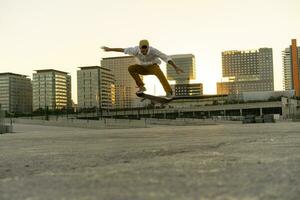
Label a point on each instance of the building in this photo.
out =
(51, 90)
(291, 64)
(15, 93)
(95, 87)
(182, 86)
(237, 87)
(125, 85)
(246, 71)
(187, 63)
(192, 89)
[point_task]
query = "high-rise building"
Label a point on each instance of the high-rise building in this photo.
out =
(95, 87)
(124, 83)
(15, 93)
(182, 86)
(246, 71)
(191, 89)
(291, 64)
(187, 64)
(51, 89)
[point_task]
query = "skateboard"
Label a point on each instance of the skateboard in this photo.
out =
(163, 100)
(154, 99)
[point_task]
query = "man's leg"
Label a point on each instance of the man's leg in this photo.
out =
(135, 71)
(154, 69)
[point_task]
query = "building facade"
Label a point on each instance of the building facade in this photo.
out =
(95, 87)
(51, 90)
(187, 64)
(191, 89)
(182, 86)
(15, 93)
(246, 71)
(125, 85)
(291, 64)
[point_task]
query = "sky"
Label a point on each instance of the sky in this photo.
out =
(67, 34)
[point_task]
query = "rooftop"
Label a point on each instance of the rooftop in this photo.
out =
(182, 56)
(12, 74)
(89, 67)
(93, 67)
(49, 70)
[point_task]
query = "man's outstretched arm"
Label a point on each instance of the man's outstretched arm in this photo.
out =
(168, 60)
(113, 49)
(177, 69)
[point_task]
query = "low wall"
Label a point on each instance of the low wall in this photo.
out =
(188, 121)
(6, 129)
(120, 123)
(93, 124)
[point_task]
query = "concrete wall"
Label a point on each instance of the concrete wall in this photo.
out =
(6, 129)
(121, 123)
(290, 108)
(189, 121)
(265, 95)
(94, 124)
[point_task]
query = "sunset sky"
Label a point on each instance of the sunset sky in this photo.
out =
(66, 34)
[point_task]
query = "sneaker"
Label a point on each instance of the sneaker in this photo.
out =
(141, 90)
(169, 95)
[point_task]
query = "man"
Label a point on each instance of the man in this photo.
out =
(148, 64)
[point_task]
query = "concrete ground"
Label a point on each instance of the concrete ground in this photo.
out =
(253, 161)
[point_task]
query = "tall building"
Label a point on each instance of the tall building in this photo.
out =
(246, 71)
(191, 89)
(182, 86)
(95, 87)
(187, 63)
(15, 93)
(51, 89)
(291, 64)
(124, 83)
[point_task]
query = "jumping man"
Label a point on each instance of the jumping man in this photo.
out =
(147, 64)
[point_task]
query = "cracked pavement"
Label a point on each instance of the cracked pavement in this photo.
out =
(229, 161)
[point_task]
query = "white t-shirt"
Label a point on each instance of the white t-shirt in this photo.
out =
(152, 56)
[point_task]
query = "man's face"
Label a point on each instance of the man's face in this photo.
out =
(144, 50)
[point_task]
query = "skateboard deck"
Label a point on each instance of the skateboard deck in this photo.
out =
(164, 100)
(154, 99)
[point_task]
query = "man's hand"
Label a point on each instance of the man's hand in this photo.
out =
(105, 48)
(179, 70)
(113, 49)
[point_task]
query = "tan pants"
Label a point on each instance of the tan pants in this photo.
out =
(137, 70)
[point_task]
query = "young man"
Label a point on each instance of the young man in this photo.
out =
(148, 64)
